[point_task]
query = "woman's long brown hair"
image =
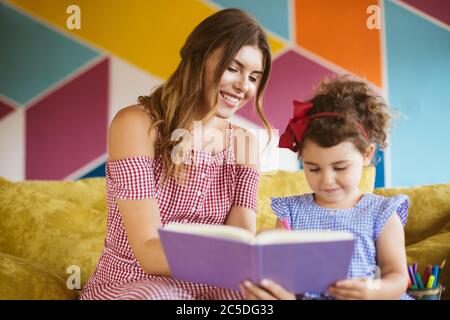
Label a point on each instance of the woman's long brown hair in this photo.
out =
(174, 104)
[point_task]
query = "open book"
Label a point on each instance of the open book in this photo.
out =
(225, 256)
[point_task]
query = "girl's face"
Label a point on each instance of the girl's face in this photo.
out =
(238, 83)
(334, 173)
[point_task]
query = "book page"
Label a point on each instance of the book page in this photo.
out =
(218, 231)
(287, 236)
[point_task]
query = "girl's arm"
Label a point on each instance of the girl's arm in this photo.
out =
(128, 136)
(391, 259)
(281, 225)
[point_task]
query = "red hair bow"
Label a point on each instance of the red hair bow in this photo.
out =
(296, 126)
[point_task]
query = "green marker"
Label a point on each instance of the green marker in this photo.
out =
(419, 281)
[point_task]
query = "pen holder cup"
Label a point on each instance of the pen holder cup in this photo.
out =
(427, 294)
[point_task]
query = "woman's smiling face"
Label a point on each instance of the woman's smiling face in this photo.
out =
(238, 83)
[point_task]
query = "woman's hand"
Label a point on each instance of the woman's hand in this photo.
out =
(267, 290)
(352, 289)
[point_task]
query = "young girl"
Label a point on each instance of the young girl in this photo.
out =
(335, 135)
(225, 62)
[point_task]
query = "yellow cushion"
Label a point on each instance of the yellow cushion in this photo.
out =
(427, 230)
(429, 212)
(87, 193)
(283, 183)
(55, 224)
(21, 279)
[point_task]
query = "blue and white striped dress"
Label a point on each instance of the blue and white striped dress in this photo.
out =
(365, 220)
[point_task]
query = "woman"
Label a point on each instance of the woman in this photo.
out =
(156, 176)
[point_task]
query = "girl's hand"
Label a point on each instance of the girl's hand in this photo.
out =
(352, 289)
(268, 290)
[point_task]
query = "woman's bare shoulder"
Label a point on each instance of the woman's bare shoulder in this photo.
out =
(135, 112)
(131, 134)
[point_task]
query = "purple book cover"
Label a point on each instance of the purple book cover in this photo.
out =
(298, 267)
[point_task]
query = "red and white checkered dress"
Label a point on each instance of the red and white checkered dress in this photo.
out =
(214, 185)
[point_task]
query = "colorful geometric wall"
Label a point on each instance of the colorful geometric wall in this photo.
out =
(60, 88)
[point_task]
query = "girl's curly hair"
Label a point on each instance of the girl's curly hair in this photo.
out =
(357, 101)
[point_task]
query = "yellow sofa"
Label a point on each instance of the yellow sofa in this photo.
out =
(47, 227)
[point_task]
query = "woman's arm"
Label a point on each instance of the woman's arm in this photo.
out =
(246, 154)
(267, 290)
(242, 217)
(129, 136)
